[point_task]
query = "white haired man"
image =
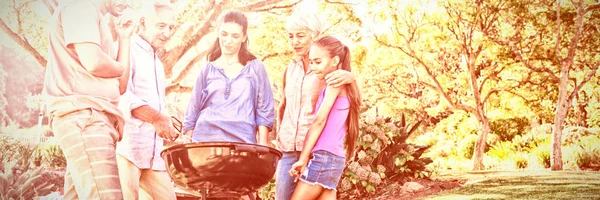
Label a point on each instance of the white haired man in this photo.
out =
(141, 169)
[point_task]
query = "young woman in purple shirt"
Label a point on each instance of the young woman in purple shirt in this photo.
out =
(335, 123)
(232, 99)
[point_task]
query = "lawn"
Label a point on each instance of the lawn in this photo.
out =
(522, 185)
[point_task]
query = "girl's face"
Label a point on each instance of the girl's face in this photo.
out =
(321, 63)
(231, 37)
(301, 40)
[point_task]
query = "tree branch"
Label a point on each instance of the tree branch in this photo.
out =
(258, 5)
(592, 7)
(50, 5)
(491, 76)
(553, 76)
(587, 78)
(508, 90)
(22, 41)
(170, 59)
(188, 67)
(178, 88)
(269, 56)
(269, 9)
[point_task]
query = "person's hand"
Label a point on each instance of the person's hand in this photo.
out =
(164, 128)
(297, 169)
(126, 24)
(339, 78)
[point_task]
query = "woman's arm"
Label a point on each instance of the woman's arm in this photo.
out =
(265, 111)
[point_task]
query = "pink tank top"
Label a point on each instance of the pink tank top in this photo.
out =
(332, 137)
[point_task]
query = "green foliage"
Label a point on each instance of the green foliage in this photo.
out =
(49, 154)
(589, 155)
(14, 150)
(383, 154)
(542, 153)
(24, 81)
(466, 146)
(268, 191)
(502, 150)
(508, 128)
(20, 185)
(521, 160)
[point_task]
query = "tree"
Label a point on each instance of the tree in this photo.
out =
(536, 41)
(20, 81)
(183, 44)
(456, 61)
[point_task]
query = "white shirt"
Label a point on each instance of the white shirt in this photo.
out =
(140, 144)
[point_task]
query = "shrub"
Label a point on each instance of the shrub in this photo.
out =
(508, 128)
(520, 159)
(21, 186)
(467, 145)
(501, 151)
(589, 155)
(268, 191)
(14, 150)
(49, 154)
(382, 154)
(542, 153)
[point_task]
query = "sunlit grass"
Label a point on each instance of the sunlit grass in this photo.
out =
(524, 185)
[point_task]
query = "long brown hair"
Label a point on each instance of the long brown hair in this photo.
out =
(239, 18)
(336, 48)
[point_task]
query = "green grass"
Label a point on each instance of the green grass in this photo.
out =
(523, 185)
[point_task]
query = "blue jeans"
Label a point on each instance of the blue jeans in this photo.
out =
(324, 169)
(284, 183)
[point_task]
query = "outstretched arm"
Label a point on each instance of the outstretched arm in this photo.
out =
(315, 130)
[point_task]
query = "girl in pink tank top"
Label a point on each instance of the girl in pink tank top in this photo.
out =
(322, 160)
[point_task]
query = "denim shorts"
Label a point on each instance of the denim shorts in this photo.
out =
(324, 169)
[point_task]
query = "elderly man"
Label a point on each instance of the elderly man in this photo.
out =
(141, 168)
(83, 83)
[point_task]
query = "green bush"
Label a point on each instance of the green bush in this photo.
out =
(502, 150)
(520, 159)
(542, 151)
(508, 128)
(382, 154)
(21, 185)
(268, 191)
(49, 154)
(542, 154)
(467, 145)
(589, 155)
(13, 150)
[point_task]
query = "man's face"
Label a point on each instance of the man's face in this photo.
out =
(116, 7)
(158, 29)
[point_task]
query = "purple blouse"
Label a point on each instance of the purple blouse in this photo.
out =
(230, 110)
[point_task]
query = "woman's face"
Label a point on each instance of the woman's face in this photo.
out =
(301, 40)
(231, 37)
(321, 63)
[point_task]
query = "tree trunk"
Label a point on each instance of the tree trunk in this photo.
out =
(562, 110)
(484, 124)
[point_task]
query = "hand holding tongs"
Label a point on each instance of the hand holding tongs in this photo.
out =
(179, 126)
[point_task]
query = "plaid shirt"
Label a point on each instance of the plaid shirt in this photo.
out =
(301, 95)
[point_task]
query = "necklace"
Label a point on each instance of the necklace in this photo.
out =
(230, 62)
